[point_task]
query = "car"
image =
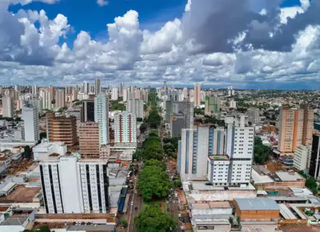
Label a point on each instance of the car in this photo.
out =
(131, 203)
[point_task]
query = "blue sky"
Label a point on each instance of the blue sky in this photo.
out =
(88, 16)
(214, 42)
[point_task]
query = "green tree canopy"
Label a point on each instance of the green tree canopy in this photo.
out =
(153, 183)
(152, 219)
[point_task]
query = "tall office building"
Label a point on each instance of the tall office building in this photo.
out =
(88, 110)
(78, 113)
(165, 88)
(175, 110)
(46, 96)
(101, 116)
(7, 107)
(197, 144)
(212, 105)
(114, 94)
(97, 86)
(62, 129)
(35, 91)
(125, 94)
(121, 88)
(135, 106)
(72, 185)
(222, 156)
(52, 91)
(314, 168)
(125, 128)
(197, 95)
(89, 139)
(85, 87)
(295, 128)
(60, 98)
(30, 118)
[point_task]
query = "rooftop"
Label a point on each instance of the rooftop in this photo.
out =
(14, 221)
(21, 194)
(218, 157)
(257, 204)
(5, 187)
(289, 176)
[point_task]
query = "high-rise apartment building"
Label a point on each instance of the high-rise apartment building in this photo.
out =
(97, 86)
(101, 116)
(222, 156)
(52, 91)
(7, 106)
(114, 94)
(60, 98)
(88, 110)
(197, 95)
(78, 113)
(314, 168)
(125, 94)
(295, 128)
(46, 96)
(89, 139)
(212, 105)
(30, 118)
(121, 88)
(135, 106)
(35, 91)
(253, 116)
(72, 185)
(62, 129)
(125, 128)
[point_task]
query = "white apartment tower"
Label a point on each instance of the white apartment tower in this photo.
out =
(101, 116)
(197, 95)
(31, 123)
(97, 86)
(125, 128)
(72, 185)
(7, 107)
(46, 97)
(222, 156)
(135, 106)
(114, 94)
(60, 98)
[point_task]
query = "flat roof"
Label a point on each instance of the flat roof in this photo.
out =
(105, 228)
(21, 194)
(286, 212)
(257, 204)
(5, 187)
(218, 157)
(289, 176)
(14, 221)
(260, 179)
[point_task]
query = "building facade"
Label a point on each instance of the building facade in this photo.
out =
(197, 95)
(314, 169)
(125, 128)
(72, 185)
(212, 105)
(62, 129)
(60, 98)
(7, 107)
(135, 106)
(222, 156)
(295, 128)
(89, 139)
(101, 116)
(31, 123)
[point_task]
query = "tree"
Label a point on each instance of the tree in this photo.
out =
(143, 127)
(42, 229)
(177, 183)
(153, 183)
(124, 223)
(43, 135)
(261, 152)
(27, 152)
(152, 219)
(155, 163)
(311, 183)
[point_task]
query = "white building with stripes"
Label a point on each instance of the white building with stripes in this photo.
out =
(74, 185)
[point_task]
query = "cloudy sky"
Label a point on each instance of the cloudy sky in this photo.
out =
(269, 44)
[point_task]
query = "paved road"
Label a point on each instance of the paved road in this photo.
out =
(137, 202)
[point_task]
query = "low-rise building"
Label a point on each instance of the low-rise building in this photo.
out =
(257, 213)
(45, 149)
(212, 216)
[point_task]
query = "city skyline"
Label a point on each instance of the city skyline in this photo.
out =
(271, 45)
